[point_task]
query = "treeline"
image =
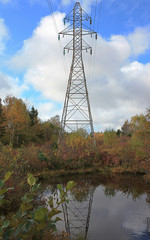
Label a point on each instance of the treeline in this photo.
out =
(130, 146)
(21, 125)
(125, 149)
(137, 124)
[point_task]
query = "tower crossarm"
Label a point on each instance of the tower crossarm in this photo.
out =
(77, 16)
(69, 31)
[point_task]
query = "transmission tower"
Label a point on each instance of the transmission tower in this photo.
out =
(76, 112)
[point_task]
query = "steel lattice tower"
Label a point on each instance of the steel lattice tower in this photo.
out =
(76, 111)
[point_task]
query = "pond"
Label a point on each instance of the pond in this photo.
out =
(107, 207)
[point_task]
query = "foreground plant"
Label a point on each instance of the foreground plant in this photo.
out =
(30, 221)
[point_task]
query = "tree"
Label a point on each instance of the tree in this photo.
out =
(55, 121)
(110, 137)
(82, 132)
(2, 120)
(55, 127)
(33, 113)
(119, 132)
(1, 108)
(37, 133)
(140, 140)
(148, 114)
(138, 122)
(126, 128)
(17, 120)
(147, 124)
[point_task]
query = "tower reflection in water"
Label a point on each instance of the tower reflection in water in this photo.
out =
(77, 211)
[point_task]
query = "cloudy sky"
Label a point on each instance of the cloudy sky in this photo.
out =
(32, 65)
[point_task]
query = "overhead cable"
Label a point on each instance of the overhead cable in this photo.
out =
(56, 28)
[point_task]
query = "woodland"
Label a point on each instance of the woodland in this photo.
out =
(29, 145)
(29, 153)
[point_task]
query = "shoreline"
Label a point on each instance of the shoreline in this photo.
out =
(47, 175)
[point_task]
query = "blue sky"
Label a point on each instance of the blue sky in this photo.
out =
(117, 73)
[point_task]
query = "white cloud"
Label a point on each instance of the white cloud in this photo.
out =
(119, 88)
(46, 110)
(10, 86)
(139, 40)
(3, 35)
(41, 57)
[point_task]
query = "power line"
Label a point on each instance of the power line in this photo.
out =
(60, 6)
(51, 10)
(95, 14)
(91, 8)
(95, 47)
(91, 40)
(99, 16)
(56, 28)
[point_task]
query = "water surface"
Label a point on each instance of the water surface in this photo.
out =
(105, 208)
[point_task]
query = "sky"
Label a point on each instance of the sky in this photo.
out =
(32, 65)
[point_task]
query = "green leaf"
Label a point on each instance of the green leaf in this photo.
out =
(2, 201)
(51, 225)
(14, 222)
(31, 180)
(29, 225)
(6, 224)
(50, 202)
(70, 185)
(18, 214)
(62, 201)
(59, 186)
(1, 183)
(40, 214)
(26, 206)
(7, 176)
(3, 191)
(18, 230)
(36, 187)
(27, 198)
(7, 234)
(57, 219)
(53, 212)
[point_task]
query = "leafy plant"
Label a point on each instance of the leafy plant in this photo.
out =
(30, 221)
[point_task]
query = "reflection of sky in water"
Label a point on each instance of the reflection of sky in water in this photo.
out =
(112, 218)
(118, 218)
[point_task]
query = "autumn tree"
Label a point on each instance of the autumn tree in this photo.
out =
(17, 120)
(147, 124)
(126, 128)
(2, 121)
(140, 140)
(138, 122)
(52, 128)
(110, 137)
